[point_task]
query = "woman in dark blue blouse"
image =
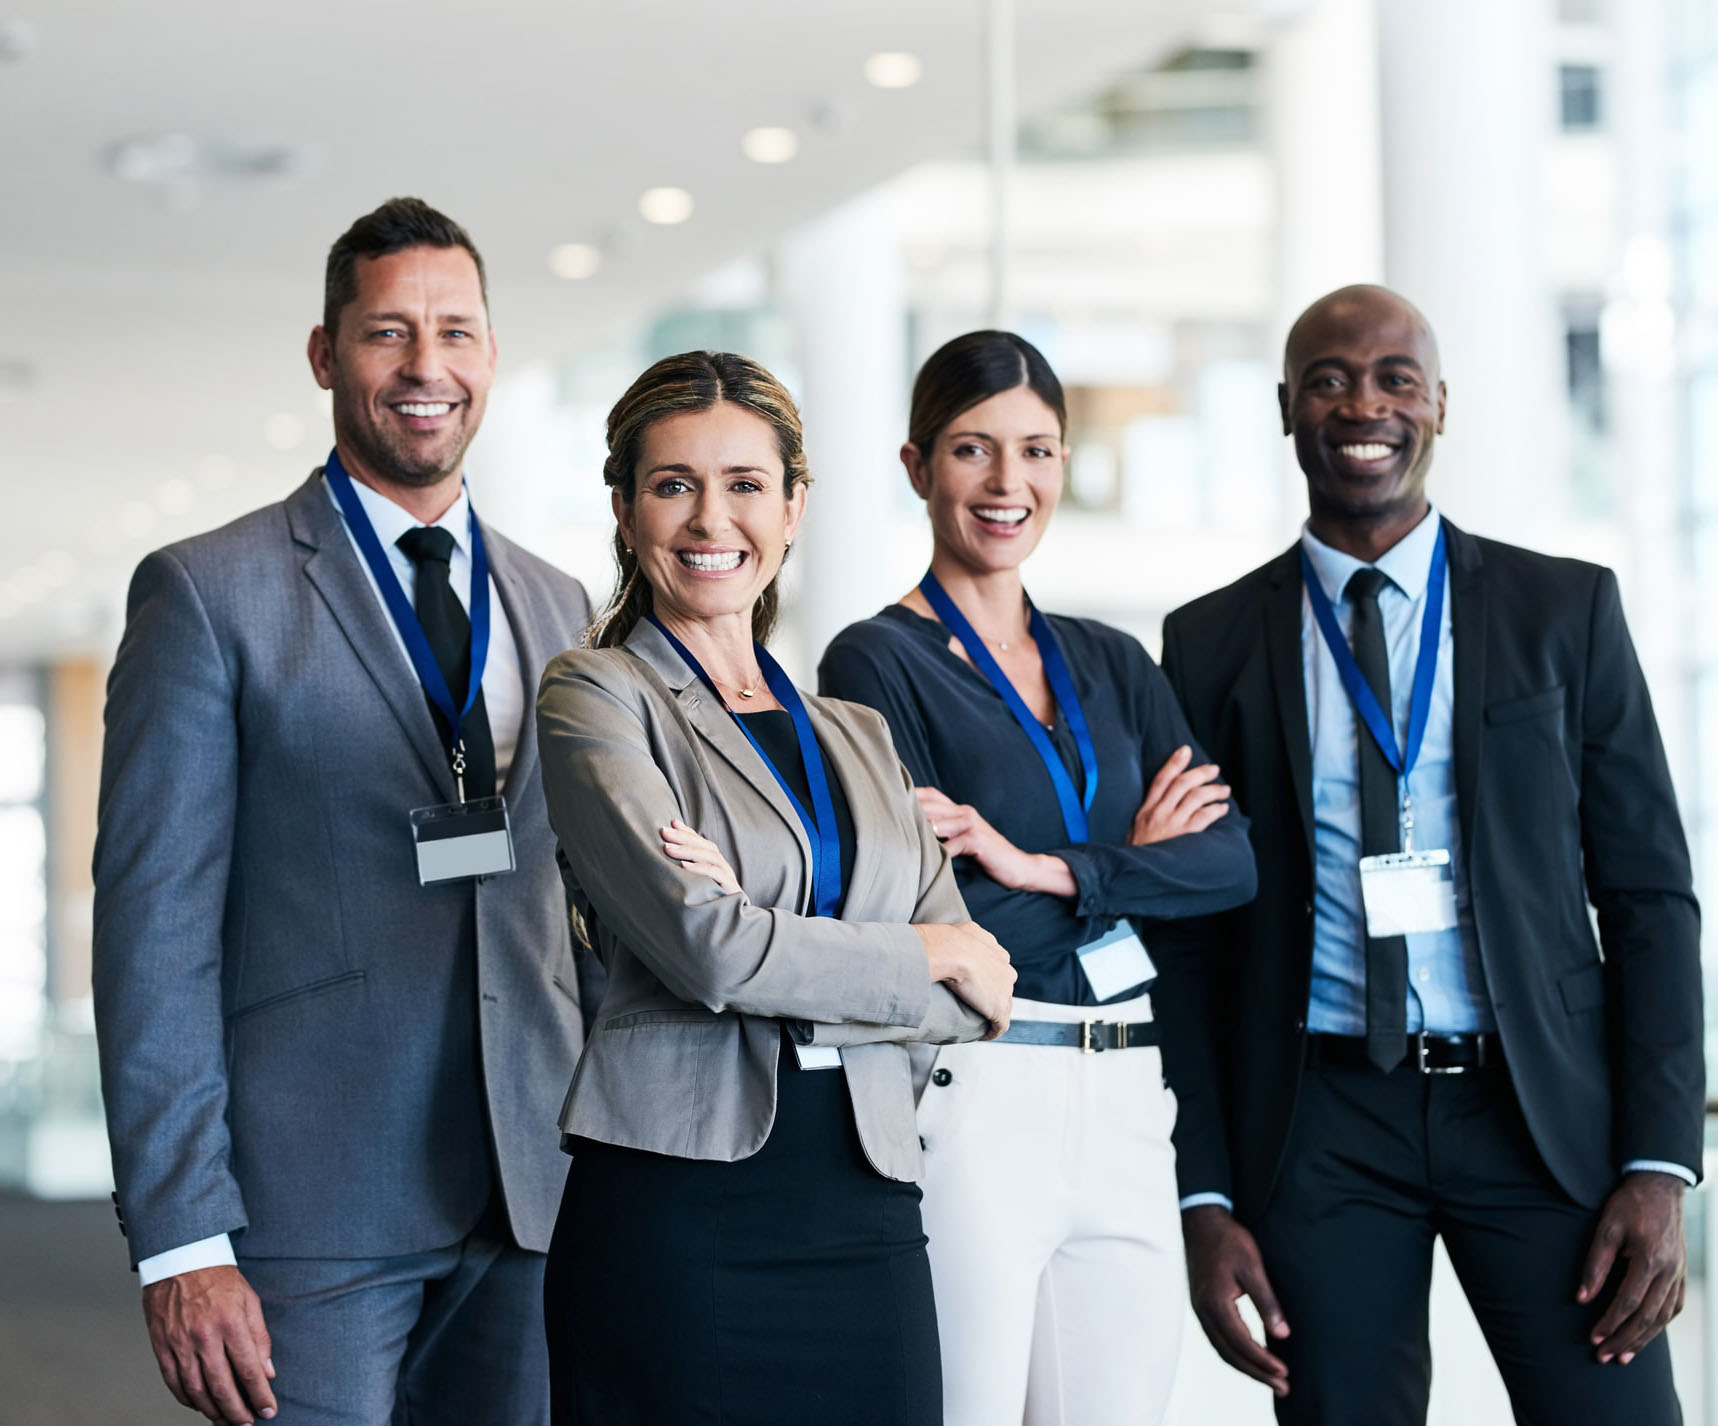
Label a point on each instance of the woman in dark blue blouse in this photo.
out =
(1054, 764)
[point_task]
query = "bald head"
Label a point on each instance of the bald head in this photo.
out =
(1363, 307)
(1364, 401)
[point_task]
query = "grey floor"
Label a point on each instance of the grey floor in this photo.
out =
(72, 1346)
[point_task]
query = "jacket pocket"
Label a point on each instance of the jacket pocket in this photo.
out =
(1515, 710)
(659, 1017)
(1583, 989)
(269, 1002)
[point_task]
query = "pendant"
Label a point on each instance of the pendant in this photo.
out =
(748, 693)
(1002, 648)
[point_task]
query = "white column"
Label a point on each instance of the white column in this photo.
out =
(1001, 70)
(1321, 102)
(842, 285)
(1468, 104)
(1638, 334)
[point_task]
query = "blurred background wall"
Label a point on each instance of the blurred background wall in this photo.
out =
(1148, 190)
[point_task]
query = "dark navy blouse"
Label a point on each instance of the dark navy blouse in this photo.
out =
(953, 732)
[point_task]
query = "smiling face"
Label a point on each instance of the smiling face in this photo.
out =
(710, 519)
(992, 480)
(1363, 400)
(410, 365)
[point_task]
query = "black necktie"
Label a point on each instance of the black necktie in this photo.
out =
(1380, 827)
(430, 548)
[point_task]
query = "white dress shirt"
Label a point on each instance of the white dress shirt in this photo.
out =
(503, 697)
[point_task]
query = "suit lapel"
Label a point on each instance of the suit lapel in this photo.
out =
(532, 656)
(1468, 630)
(1288, 677)
(715, 724)
(332, 566)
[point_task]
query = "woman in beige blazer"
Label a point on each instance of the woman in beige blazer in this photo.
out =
(740, 1237)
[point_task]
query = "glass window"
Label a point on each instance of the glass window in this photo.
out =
(1579, 97)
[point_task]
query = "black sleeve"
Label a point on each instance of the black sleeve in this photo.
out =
(1191, 875)
(1191, 956)
(1640, 883)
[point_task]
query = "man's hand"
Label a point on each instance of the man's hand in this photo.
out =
(1181, 799)
(1641, 1223)
(1223, 1266)
(210, 1342)
(966, 834)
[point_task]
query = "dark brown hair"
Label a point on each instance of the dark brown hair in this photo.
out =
(398, 224)
(973, 368)
(691, 381)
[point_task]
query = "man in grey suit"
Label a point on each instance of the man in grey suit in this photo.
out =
(332, 1090)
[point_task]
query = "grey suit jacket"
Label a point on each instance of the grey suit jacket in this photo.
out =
(299, 1044)
(682, 1059)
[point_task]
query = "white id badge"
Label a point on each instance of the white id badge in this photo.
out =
(1407, 893)
(1116, 962)
(817, 1056)
(460, 840)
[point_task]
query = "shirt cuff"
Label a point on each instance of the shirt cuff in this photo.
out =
(1199, 1200)
(1688, 1176)
(215, 1252)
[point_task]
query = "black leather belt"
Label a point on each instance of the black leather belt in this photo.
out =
(1427, 1053)
(1089, 1036)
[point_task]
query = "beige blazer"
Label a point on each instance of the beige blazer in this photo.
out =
(682, 1058)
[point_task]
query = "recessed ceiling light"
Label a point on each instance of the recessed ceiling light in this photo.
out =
(665, 205)
(894, 69)
(181, 167)
(575, 261)
(283, 431)
(769, 145)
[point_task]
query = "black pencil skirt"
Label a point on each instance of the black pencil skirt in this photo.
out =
(789, 1286)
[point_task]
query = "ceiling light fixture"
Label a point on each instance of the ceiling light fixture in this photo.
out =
(181, 167)
(769, 145)
(893, 69)
(666, 206)
(575, 261)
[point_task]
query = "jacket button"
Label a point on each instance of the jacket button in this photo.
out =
(1300, 1027)
(941, 1077)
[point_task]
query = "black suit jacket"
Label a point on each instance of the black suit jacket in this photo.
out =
(1564, 800)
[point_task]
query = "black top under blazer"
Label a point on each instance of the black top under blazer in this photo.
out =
(1565, 801)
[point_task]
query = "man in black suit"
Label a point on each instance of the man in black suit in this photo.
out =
(1411, 1032)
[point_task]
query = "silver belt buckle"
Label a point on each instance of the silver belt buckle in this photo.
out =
(1089, 1046)
(1420, 1043)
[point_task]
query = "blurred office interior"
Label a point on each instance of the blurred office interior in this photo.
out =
(1148, 189)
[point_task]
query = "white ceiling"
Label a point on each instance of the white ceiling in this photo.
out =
(162, 338)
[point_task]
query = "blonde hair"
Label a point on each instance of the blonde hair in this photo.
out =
(691, 381)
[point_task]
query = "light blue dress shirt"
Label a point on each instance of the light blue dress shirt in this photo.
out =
(1446, 981)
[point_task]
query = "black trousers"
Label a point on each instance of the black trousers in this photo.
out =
(789, 1286)
(1378, 1166)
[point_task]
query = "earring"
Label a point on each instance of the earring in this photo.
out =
(790, 544)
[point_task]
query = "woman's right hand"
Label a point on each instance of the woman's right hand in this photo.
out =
(971, 962)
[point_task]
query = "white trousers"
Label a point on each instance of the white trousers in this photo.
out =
(1055, 1238)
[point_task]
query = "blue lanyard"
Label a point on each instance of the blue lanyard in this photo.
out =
(1074, 808)
(819, 823)
(406, 618)
(1360, 693)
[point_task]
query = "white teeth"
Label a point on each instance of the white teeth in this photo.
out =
(1368, 450)
(724, 560)
(1001, 514)
(424, 408)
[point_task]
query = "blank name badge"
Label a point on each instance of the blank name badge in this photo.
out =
(1408, 893)
(461, 840)
(1116, 962)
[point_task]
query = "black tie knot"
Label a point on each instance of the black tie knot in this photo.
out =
(1365, 583)
(429, 542)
